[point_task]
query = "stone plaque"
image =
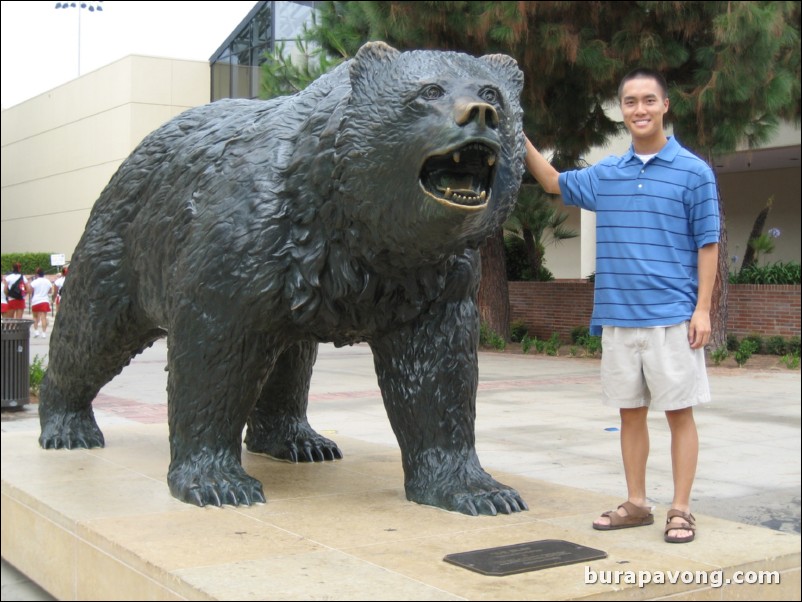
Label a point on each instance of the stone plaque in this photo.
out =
(524, 557)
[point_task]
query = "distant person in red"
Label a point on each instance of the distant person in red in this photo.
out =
(41, 293)
(15, 287)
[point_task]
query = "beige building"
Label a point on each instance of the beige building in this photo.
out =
(60, 149)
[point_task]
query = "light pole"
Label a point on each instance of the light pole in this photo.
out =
(81, 6)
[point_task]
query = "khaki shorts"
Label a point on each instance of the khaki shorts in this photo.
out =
(653, 367)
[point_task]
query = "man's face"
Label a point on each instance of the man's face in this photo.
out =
(643, 107)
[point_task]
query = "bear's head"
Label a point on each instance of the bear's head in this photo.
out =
(430, 150)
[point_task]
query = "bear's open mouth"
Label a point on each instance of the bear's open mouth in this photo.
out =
(461, 177)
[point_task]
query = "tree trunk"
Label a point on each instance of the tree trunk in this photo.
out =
(750, 255)
(494, 298)
(535, 259)
(719, 307)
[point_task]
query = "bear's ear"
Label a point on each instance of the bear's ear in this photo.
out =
(369, 59)
(507, 67)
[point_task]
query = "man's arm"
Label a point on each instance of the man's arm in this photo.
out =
(699, 328)
(542, 170)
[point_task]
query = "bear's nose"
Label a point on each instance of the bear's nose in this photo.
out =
(479, 112)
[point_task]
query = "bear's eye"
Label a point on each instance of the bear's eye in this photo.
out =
(432, 92)
(490, 95)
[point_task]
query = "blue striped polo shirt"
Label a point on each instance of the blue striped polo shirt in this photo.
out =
(651, 220)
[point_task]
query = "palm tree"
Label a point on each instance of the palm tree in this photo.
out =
(538, 222)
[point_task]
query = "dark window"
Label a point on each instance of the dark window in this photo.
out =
(235, 67)
(235, 71)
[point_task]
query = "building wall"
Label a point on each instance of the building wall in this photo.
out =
(60, 149)
(745, 194)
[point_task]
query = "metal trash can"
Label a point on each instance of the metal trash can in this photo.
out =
(15, 379)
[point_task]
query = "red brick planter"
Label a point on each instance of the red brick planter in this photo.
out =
(562, 305)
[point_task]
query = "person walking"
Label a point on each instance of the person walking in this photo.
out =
(15, 286)
(41, 293)
(4, 304)
(657, 234)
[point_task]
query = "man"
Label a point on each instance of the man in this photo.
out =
(657, 231)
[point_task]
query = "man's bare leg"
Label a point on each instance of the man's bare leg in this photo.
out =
(635, 453)
(684, 456)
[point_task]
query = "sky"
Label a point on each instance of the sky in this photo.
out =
(40, 43)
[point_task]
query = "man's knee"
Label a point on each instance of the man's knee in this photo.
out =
(680, 418)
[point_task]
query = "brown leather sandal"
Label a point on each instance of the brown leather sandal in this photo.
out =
(636, 517)
(689, 524)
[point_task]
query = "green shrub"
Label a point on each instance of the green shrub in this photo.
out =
(791, 360)
(37, 373)
(772, 273)
(518, 330)
(776, 345)
(745, 351)
(579, 333)
(527, 343)
(553, 345)
(760, 345)
(732, 342)
(29, 261)
(592, 345)
(793, 346)
(490, 338)
(719, 355)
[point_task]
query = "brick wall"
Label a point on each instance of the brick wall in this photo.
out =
(548, 307)
(562, 305)
(765, 309)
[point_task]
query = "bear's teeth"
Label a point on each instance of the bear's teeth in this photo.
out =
(491, 160)
(456, 157)
(463, 195)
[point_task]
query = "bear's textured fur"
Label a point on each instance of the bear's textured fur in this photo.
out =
(249, 231)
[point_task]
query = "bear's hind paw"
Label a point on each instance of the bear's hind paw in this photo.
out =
(71, 431)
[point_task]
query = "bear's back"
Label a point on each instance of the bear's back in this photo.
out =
(176, 161)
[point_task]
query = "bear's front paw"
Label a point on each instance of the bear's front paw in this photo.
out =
(213, 484)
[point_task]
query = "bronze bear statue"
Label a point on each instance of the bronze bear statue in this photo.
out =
(249, 231)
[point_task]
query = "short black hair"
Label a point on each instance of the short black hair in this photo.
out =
(646, 73)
